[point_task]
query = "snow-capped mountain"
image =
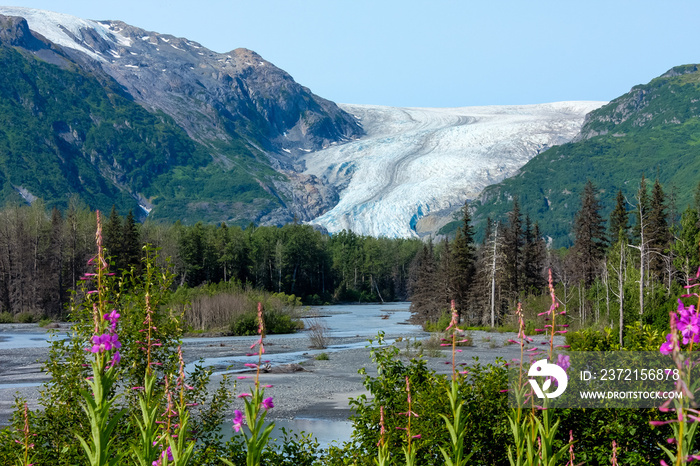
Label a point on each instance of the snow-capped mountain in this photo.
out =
(249, 116)
(417, 161)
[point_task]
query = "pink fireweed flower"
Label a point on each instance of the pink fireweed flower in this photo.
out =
(237, 420)
(667, 348)
(115, 359)
(244, 395)
(167, 453)
(672, 338)
(267, 403)
(689, 323)
(112, 316)
(455, 317)
(105, 342)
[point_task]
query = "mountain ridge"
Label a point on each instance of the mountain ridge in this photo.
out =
(250, 117)
(650, 130)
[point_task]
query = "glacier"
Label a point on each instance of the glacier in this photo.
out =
(416, 161)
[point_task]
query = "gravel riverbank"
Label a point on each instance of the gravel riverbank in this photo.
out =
(318, 389)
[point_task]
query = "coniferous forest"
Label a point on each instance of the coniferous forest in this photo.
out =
(620, 270)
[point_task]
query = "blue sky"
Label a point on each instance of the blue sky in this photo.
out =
(439, 53)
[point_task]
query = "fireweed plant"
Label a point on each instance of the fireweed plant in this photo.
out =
(409, 453)
(457, 427)
(534, 436)
(26, 456)
(684, 334)
(383, 456)
(99, 401)
(108, 313)
(256, 408)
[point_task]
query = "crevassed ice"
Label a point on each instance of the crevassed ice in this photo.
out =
(414, 161)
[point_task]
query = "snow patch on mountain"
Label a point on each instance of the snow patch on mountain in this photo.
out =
(414, 161)
(66, 30)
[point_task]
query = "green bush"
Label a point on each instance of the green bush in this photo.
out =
(439, 325)
(484, 402)
(275, 322)
(590, 339)
(25, 318)
(6, 318)
(44, 322)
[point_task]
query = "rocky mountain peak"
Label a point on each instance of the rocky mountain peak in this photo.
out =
(215, 97)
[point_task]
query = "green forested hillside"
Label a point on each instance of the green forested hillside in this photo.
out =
(653, 130)
(65, 132)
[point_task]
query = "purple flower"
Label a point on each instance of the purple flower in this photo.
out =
(101, 343)
(167, 452)
(689, 323)
(237, 420)
(112, 318)
(667, 348)
(115, 359)
(114, 341)
(564, 361)
(105, 342)
(267, 403)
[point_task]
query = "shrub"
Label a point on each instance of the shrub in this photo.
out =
(439, 325)
(318, 332)
(6, 318)
(25, 317)
(275, 322)
(44, 322)
(590, 339)
(321, 357)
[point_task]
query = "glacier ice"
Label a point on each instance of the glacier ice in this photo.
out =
(414, 161)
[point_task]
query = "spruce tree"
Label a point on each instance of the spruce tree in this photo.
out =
(619, 218)
(512, 248)
(112, 234)
(658, 229)
(463, 262)
(589, 232)
(530, 263)
(424, 289)
(641, 212)
(538, 260)
(131, 244)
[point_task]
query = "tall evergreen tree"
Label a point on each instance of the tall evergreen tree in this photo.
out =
(131, 244)
(589, 231)
(537, 258)
(641, 212)
(619, 218)
(112, 234)
(512, 248)
(658, 229)
(423, 287)
(463, 262)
